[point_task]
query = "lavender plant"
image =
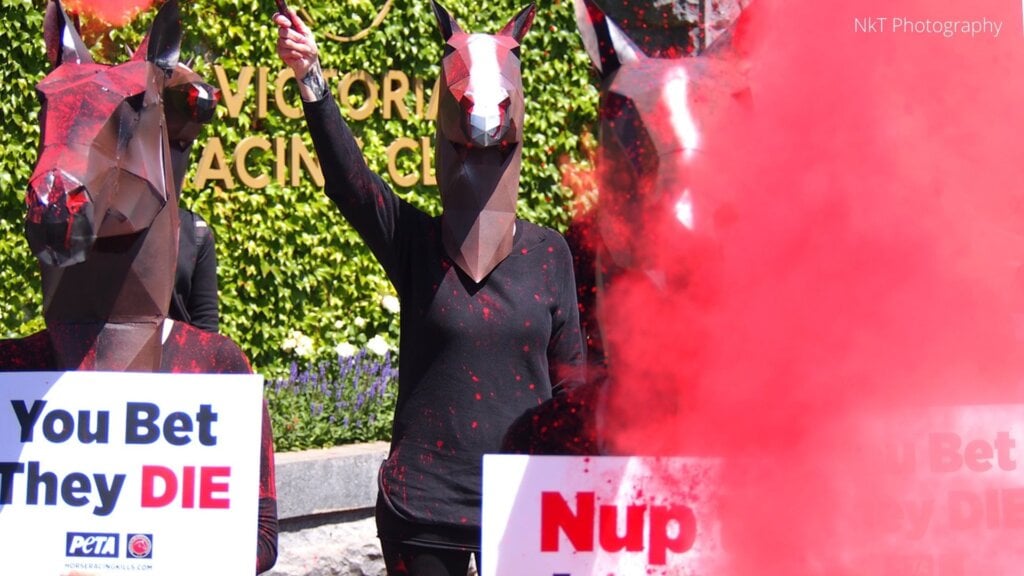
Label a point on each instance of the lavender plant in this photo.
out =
(328, 403)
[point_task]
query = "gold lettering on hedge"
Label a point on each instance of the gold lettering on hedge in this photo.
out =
(345, 88)
(279, 164)
(425, 149)
(427, 145)
(302, 157)
(417, 88)
(390, 93)
(234, 100)
(261, 92)
(395, 95)
(432, 108)
(242, 156)
(365, 31)
(401, 180)
(291, 155)
(289, 111)
(213, 165)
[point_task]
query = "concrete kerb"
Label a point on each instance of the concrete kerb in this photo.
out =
(325, 502)
(335, 480)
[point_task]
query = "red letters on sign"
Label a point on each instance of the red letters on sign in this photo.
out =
(555, 515)
(160, 486)
(661, 540)
(670, 527)
(209, 487)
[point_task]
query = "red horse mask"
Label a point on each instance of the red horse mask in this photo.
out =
(102, 206)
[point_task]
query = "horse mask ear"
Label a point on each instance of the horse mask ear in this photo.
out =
(162, 44)
(519, 25)
(605, 43)
(445, 22)
(63, 43)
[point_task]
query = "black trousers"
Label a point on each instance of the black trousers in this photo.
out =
(403, 559)
(419, 550)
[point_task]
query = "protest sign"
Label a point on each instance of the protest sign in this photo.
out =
(107, 473)
(577, 516)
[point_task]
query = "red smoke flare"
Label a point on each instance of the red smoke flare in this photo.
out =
(872, 260)
(114, 12)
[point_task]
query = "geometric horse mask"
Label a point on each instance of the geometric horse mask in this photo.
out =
(479, 140)
(661, 92)
(654, 114)
(101, 203)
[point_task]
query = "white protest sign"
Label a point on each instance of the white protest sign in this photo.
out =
(120, 473)
(583, 516)
(952, 497)
(930, 492)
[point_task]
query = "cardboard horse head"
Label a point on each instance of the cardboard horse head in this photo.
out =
(654, 117)
(102, 206)
(479, 140)
(662, 88)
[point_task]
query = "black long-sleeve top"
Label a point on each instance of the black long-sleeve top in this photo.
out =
(472, 357)
(195, 300)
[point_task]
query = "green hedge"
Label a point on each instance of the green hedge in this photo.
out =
(288, 262)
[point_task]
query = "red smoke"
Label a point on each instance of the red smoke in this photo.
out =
(113, 12)
(872, 260)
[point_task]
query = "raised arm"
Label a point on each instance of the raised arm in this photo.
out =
(363, 198)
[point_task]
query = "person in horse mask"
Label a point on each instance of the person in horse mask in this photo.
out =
(489, 321)
(101, 218)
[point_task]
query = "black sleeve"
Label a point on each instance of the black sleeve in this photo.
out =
(566, 354)
(266, 535)
(564, 425)
(363, 198)
(203, 301)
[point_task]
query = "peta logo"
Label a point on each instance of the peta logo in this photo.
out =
(92, 545)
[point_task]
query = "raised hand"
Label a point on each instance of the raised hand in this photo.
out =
(297, 48)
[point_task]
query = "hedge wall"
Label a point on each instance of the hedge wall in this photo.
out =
(289, 265)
